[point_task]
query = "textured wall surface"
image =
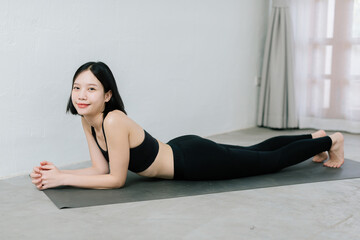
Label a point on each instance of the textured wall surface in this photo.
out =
(181, 67)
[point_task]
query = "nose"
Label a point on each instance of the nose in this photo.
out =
(82, 94)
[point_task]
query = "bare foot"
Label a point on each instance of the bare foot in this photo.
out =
(317, 134)
(323, 155)
(319, 158)
(336, 151)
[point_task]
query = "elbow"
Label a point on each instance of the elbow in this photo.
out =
(112, 182)
(115, 185)
(118, 183)
(115, 181)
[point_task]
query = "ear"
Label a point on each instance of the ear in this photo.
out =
(108, 96)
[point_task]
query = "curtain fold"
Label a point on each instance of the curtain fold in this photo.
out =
(277, 107)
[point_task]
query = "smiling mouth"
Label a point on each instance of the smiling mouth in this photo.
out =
(82, 105)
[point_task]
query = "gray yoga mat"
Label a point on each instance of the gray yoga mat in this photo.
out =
(142, 189)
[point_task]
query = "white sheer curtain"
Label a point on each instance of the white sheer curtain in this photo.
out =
(327, 63)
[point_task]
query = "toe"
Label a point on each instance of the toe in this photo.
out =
(329, 164)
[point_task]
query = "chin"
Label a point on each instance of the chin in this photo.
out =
(86, 112)
(82, 111)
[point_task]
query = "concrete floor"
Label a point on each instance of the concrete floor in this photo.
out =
(326, 210)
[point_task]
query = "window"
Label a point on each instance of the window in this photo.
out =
(334, 64)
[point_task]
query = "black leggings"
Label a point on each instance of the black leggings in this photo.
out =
(197, 158)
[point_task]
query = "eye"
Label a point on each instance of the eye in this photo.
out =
(92, 89)
(75, 87)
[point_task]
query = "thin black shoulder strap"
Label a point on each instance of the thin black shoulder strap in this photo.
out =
(104, 134)
(93, 132)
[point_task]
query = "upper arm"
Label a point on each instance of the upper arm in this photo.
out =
(116, 126)
(97, 159)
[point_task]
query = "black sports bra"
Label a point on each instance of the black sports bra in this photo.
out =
(141, 157)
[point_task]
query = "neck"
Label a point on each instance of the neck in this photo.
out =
(95, 120)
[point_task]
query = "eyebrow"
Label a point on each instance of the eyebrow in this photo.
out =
(91, 84)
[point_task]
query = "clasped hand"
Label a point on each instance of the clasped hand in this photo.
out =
(46, 176)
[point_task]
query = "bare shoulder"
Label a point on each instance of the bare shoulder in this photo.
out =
(117, 118)
(115, 115)
(117, 121)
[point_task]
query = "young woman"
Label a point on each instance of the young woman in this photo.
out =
(117, 143)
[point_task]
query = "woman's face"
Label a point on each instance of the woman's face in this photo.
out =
(88, 95)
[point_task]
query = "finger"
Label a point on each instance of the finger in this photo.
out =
(43, 186)
(35, 175)
(46, 163)
(36, 169)
(36, 181)
(47, 167)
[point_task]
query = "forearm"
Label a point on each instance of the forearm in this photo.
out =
(104, 181)
(83, 171)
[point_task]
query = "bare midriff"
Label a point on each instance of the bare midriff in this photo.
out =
(163, 165)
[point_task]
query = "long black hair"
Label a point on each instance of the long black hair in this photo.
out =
(103, 73)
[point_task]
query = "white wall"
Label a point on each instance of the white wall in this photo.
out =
(181, 66)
